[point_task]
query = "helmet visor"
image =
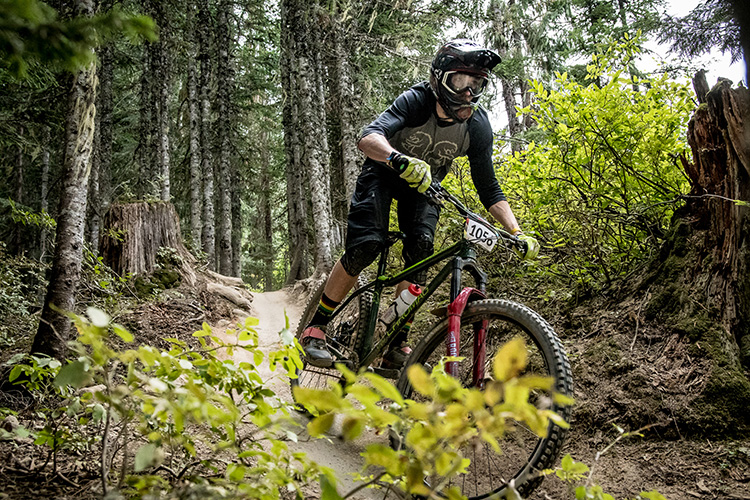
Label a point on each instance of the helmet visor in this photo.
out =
(458, 83)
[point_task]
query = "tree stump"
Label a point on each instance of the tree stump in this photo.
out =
(134, 232)
(719, 136)
(699, 286)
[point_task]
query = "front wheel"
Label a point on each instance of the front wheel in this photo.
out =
(523, 454)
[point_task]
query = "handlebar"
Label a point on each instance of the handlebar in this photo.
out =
(438, 194)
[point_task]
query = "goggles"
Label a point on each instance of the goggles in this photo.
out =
(458, 83)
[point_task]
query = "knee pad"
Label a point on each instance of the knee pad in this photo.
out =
(415, 249)
(357, 258)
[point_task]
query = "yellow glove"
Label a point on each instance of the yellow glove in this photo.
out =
(532, 247)
(413, 170)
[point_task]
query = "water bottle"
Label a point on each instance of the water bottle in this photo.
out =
(401, 304)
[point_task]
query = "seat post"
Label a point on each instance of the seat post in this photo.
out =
(393, 237)
(383, 259)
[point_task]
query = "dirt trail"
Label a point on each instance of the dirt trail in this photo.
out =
(343, 457)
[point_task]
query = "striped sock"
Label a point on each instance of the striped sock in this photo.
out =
(407, 325)
(322, 316)
(402, 334)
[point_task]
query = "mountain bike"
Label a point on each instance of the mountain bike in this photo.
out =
(472, 326)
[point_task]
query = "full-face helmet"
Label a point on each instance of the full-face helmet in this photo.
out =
(460, 74)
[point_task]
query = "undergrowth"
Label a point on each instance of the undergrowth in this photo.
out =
(184, 422)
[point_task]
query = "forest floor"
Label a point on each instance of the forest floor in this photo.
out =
(677, 468)
(665, 460)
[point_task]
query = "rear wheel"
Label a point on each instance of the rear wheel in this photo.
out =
(345, 335)
(524, 454)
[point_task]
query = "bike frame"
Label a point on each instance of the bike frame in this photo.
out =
(462, 258)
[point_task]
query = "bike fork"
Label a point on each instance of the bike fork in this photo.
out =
(453, 339)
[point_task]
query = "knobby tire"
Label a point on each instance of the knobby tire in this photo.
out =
(524, 454)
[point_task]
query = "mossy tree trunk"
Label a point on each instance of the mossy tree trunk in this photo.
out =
(699, 284)
(54, 327)
(719, 136)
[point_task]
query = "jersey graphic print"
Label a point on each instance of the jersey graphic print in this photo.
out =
(436, 145)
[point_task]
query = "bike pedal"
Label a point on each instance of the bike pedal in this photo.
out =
(385, 372)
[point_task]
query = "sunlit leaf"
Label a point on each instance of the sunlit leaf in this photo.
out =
(328, 490)
(510, 360)
(420, 380)
(98, 317)
(352, 428)
(652, 495)
(320, 424)
(145, 457)
(236, 472)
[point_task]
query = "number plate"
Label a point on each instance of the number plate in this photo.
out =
(480, 234)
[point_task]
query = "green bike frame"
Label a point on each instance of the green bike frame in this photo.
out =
(462, 258)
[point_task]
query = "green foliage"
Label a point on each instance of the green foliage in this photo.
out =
(27, 217)
(31, 31)
(206, 416)
(592, 23)
(199, 424)
(102, 287)
(601, 187)
(22, 285)
(434, 430)
(35, 373)
(710, 25)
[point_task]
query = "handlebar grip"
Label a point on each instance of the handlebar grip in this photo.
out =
(398, 162)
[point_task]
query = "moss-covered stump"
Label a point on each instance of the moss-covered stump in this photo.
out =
(713, 400)
(673, 354)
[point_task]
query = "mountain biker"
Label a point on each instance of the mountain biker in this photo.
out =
(412, 142)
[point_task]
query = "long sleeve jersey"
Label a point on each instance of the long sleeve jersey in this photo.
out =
(413, 128)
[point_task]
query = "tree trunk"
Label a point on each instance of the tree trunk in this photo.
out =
(163, 81)
(19, 171)
(100, 195)
(143, 150)
(54, 327)
(510, 42)
(720, 141)
(143, 229)
(237, 188)
(344, 140)
(204, 56)
(223, 98)
(315, 147)
(44, 190)
(514, 126)
(699, 285)
(196, 224)
(92, 206)
(266, 216)
(741, 11)
(295, 180)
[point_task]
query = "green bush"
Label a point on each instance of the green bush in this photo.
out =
(22, 285)
(601, 186)
(165, 419)
(186, 423)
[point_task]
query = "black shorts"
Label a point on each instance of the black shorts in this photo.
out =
(369, 213)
